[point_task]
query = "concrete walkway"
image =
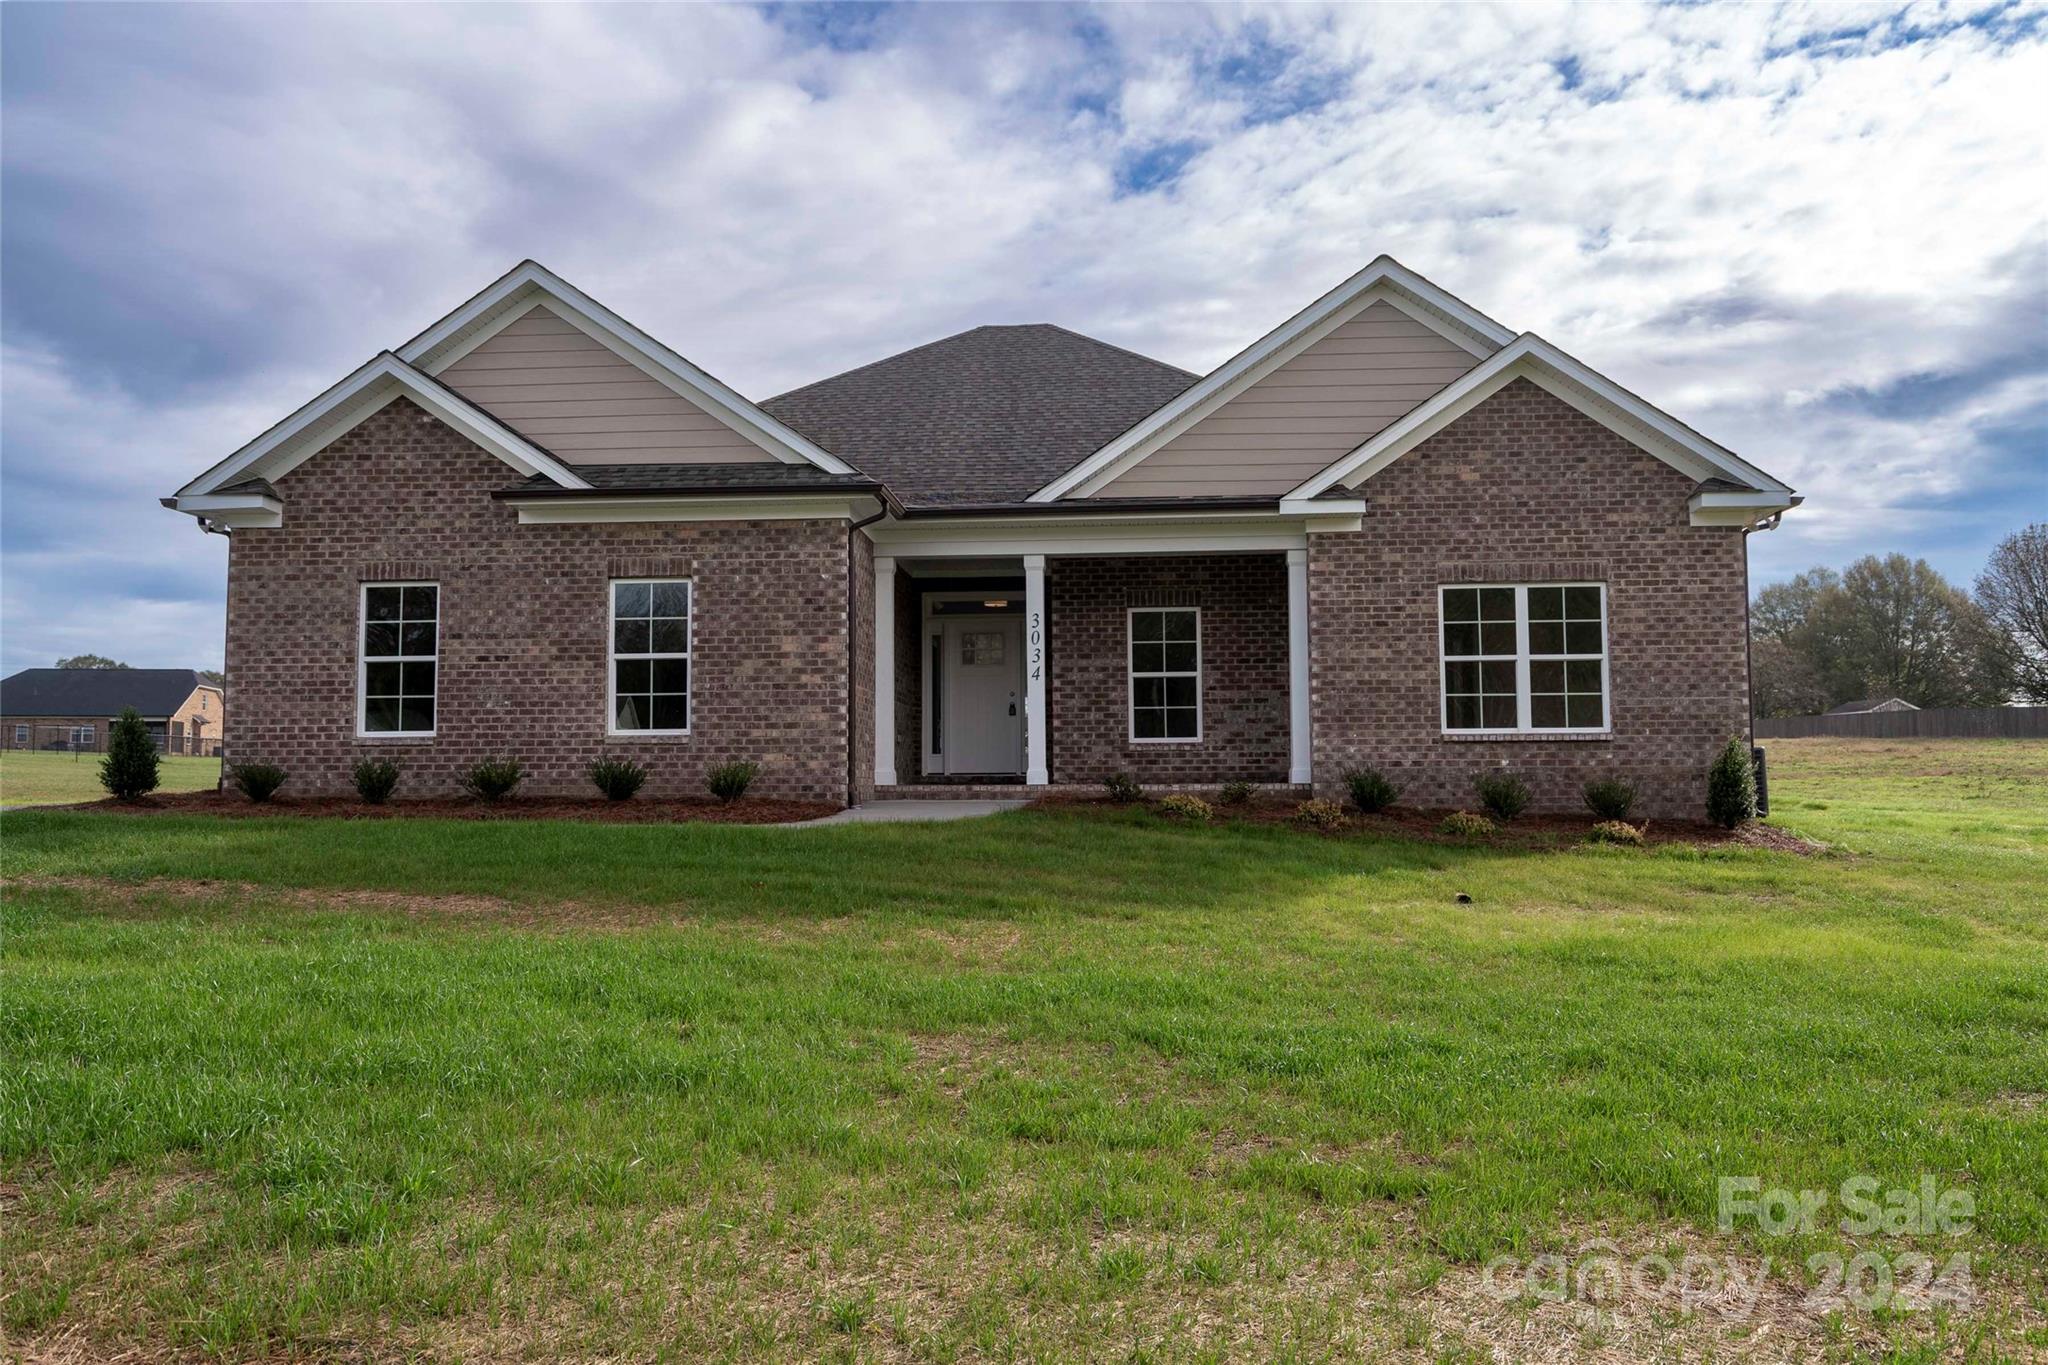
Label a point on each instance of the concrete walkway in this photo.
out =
(881, 812)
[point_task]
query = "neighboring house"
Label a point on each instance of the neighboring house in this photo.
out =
(1391, 531)
(71, 708)
(1870, 704)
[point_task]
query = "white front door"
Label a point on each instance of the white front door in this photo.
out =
(982, 674)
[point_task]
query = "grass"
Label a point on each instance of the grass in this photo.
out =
(48, 779)
(1053, 1084)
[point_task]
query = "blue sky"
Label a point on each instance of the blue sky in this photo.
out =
(1817, 234)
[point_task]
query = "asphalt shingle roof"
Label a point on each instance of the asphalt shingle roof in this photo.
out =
(700, 478)
(986, 416)
(154, 692)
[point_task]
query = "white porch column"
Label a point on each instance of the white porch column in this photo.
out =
(885, 672)
(1036, 773)
(1299, 767)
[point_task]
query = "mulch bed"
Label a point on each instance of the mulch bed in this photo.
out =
(1527, 831)
(638, 811)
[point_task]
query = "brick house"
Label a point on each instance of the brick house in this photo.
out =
(1391, 531)
(71, 708)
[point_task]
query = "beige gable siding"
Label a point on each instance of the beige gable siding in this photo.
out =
(1297, 420)
(572, 395)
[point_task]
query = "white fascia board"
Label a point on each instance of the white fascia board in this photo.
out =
(596, 511)
(1117, 534)
(233, 511)
(1384, 280)
(489, 312)
(1738, 509)
(1530, 357)
(362, 393)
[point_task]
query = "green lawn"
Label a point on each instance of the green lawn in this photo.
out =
(1050, 1085)
(45, 779)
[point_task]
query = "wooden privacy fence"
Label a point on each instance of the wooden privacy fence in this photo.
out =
(1941, 722)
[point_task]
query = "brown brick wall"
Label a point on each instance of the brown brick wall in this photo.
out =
(524, 617)
(1525, 489)
(861, 762)
(1243, 599)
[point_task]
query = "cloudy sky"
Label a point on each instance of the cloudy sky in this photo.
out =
(1818, 234)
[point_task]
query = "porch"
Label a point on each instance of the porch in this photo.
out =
(1011, 658)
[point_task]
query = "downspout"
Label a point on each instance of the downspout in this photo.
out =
(1769, 523)
(853, 529)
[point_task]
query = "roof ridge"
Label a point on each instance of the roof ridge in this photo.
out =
(1121, 350)
(880, 360)
(970, 331)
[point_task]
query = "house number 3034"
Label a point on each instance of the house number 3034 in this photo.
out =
(1037, 652)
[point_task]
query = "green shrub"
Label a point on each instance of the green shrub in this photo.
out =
(1502, 791)
(129, 769)
(1192, 809)
(729, 781)
(617, 778)
(1319, 815)
(1372, 791)
(1123, 787)
(1611, 798)
(375, 779)
(257, 781)
(1731, 785)
(1615, 832)
(1463, 824)
(493, 779)
(1238, 793)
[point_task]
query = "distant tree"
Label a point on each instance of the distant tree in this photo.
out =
(90, 661)
(1905, 631)
(1783, 680)
(2012, 592)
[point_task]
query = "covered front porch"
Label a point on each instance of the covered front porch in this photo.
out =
(1014, 654)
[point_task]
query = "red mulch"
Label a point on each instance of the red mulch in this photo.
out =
(1527, 831)
(638, 811)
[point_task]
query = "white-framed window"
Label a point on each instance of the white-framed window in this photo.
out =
(1166, 675)
(649, 684)
(82, 736)
(21, 734)
(1524, 658)
(399, 659)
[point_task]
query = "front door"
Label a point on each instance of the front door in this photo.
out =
(983, 677)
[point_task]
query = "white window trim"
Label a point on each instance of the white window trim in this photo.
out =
(363, 731)
(1131, 676)
(24, 734)
(612, 657)
(88, 735)
(1522, 728)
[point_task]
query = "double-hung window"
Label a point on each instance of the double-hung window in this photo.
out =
(650, 657)
(400, 657)
(84, 736)
(1166, 674)
(1524, 658)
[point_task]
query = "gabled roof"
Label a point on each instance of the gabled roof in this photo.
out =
(153, 692)
(378, 382)
(1744, 487)
(1384, 279)
(530, 282)
(1868, 704)
(984, 416)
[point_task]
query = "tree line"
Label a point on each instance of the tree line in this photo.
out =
(1889, 626)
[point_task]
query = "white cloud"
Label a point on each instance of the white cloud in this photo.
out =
(215, 211)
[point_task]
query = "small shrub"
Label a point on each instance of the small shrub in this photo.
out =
(1372, 791)
(1611, 798)
(1237, 793)
(1463, 824)
(1319, 815)
(129, 769)
(1122, 787)
(493, 779)
(1615, 832)
(1180, 806)
(1731, 785)
(375, 779)
(1502, 791)
(729, 781)
(257, 781)
(617, 778)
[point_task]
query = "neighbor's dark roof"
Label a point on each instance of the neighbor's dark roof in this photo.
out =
(757, 477)
(155, 692)
(987, 416)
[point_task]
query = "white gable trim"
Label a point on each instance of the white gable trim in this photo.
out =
(344, 406)
(1532, 358)
(530, 283)
(1385, 280)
